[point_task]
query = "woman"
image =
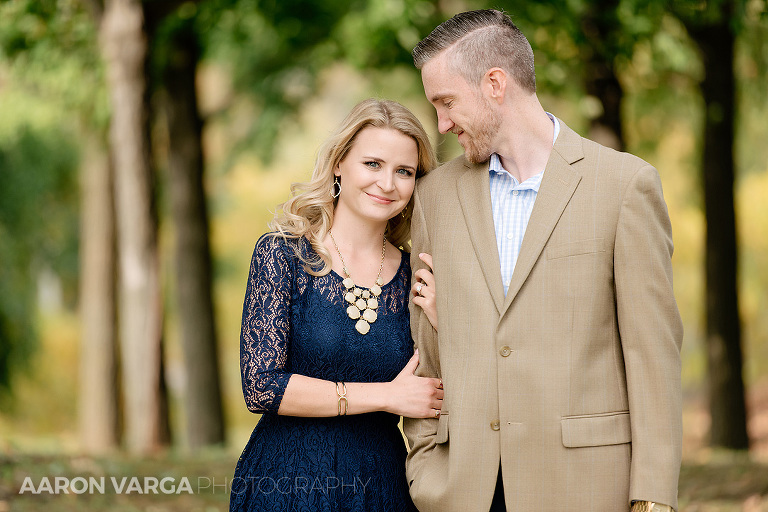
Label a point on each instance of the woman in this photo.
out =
(326, 351)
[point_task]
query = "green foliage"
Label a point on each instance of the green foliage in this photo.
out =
(565, 33)
(380, 34)
(38, 222)
(752, 74)
(49, 67)
(49, 48)
(277, 48)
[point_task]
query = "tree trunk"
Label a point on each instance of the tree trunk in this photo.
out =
(724, 357)
(98, 358)
(600, 79)
(202, 390)
(124, 41)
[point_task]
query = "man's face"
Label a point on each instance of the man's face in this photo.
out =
(461, 109)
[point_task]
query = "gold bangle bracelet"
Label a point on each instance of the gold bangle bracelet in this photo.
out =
(341, 390)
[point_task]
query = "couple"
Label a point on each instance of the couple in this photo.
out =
(559, 337)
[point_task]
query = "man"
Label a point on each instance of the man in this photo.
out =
(559, 336)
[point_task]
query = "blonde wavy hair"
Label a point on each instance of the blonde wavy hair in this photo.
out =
(309, 212)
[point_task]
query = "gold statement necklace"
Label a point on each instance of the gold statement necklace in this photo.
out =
(362, 303)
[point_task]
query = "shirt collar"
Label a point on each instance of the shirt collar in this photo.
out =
(557, 127)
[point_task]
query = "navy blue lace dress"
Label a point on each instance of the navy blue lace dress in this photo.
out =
(294, 322)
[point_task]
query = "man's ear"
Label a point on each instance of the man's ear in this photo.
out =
(495, 84)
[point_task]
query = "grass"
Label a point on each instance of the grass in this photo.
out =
(198, 483)
(725, 483)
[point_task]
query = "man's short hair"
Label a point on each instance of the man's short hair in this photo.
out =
(478, 41)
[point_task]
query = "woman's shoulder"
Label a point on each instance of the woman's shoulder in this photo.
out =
(274, 254)
(271, 241)
(274, 245)
(296, 251)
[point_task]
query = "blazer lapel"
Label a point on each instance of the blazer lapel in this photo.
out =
(557, 186)
(475, 198)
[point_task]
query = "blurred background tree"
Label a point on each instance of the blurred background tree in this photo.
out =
(230, 98)
(714, 27)
(177, 50)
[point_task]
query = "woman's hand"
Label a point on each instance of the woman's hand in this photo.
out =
(413, 396)
(423, 289)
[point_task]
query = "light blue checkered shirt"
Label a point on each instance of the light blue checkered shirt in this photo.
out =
(512, 204)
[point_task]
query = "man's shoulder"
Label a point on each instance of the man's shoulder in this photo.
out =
(615, 170)
(444, 172)
(611, 156)
(572, 144)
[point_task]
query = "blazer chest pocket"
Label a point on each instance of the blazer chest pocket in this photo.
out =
(575, 248)
(596, 429)
(442, 428)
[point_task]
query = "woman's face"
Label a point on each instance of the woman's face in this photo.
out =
(378, 174)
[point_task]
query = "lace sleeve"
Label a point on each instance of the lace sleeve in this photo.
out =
(266, 326)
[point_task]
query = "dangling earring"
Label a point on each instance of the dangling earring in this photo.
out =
(336, 188)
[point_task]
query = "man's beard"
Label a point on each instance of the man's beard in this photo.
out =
(477, 147)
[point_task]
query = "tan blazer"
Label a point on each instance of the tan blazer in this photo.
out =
(571, 381)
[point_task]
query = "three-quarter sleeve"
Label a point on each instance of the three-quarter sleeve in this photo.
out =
(266, 325)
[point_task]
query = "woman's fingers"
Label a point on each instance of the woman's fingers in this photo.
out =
(424, 284)
(426, 258)
(439, 394)
(423, 278)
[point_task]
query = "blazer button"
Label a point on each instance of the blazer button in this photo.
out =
(505, 351)
(495, 425)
